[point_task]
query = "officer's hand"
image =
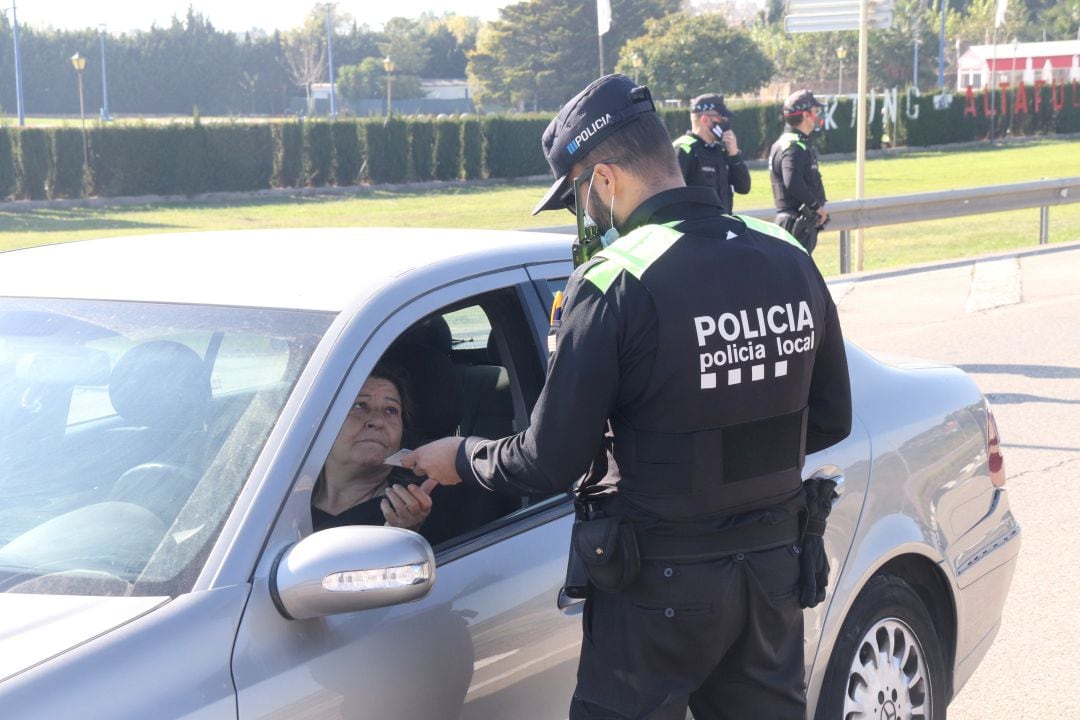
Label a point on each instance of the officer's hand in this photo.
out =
(823, 217)
(437, 461)
(731, 143)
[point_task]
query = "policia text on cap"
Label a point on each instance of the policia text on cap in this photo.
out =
(694, 593)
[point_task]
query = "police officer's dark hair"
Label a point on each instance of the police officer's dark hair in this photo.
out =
(793, 120)
(643, 148)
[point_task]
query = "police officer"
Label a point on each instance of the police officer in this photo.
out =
(709, 152)
(793, 171)
(709, 348)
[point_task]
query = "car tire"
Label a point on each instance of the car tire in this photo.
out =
(887, 661)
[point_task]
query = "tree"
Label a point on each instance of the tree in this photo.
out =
(540, 52)
(305, 61)
(682, 55)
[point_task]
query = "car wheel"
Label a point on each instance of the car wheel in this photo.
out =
(887, 663)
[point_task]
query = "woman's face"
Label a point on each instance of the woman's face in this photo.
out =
(372, 430)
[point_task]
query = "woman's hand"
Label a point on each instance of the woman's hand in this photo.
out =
(405, 506)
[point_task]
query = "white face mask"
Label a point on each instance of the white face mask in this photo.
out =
(611, 234)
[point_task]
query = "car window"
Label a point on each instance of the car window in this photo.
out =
(471, 369)
(126, 432)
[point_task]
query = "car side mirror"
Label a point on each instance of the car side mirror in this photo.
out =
(346, 569)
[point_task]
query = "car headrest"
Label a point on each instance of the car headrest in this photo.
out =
(433, 390)
(160, 384)
(432, 333)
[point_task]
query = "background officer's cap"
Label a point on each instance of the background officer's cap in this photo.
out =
(709, 102)
(607, 104)
(800, 101)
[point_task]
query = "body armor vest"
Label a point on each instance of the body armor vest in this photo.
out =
(720, 429)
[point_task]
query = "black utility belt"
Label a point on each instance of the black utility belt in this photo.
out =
(743, 539)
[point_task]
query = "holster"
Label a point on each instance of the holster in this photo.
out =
(813, 560)
(603, 549)
(607, 547)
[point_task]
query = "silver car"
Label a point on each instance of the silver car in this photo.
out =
(167, 402)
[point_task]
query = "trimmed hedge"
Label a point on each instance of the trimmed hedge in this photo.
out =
(318, 153)
(348, 152)
(66, 164)
(386, 146)
(185, 158)
(472, 149)
(447, 150)
(421, 149)
(512, 145)
(7, 164)
(32, 163)
(241, 155)
(288, 144)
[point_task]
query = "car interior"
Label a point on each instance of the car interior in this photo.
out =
(472, 374)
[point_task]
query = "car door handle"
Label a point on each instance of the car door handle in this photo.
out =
(831, 472)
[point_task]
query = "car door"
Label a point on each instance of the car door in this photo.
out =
(489, 640)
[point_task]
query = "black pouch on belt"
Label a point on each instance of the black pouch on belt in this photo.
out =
(607, 547)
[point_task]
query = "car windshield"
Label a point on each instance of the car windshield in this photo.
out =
(127, 431)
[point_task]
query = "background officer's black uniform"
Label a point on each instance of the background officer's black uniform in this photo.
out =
(709, 165)
(796, 184)
(715, 366)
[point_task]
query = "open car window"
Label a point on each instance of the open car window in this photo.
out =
(473, 369)
(126, 433)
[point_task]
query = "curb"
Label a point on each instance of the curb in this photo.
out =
(868, 275)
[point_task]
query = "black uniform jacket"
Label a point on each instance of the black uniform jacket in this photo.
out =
(709, 165)
(793, 172)
(667, 396)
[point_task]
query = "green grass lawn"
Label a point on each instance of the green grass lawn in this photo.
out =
(508, 206)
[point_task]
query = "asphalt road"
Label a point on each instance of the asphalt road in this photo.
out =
(1012, 322)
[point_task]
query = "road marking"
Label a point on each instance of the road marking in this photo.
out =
(994, 283)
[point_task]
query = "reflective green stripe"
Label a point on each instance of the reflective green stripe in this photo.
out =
(793, 139)
(772, 229)
(684, 143)
(633, 253)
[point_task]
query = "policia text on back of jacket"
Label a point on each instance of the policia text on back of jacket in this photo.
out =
(709, 348)
(793, 172)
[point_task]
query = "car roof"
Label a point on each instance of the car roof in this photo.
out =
(303, 268)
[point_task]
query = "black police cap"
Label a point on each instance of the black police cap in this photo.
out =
(607, 104)
(710, 102)
(800, 101)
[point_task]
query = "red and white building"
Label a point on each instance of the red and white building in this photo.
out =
(989, 65)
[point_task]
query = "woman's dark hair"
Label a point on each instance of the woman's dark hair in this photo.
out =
(400, 378)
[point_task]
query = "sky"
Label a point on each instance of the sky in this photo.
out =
(235, 15)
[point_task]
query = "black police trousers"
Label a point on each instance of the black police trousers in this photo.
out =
(724, 637)
(805, 231)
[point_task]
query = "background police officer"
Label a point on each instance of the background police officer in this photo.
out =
(709, 348)
(793, 172)
(709, 153)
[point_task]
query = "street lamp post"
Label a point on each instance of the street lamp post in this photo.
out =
(330, 57)
(79, 63)
(841, 53)
(104, 80)
(941, 48)
(18, 66)
(635, 60)
(388, 65)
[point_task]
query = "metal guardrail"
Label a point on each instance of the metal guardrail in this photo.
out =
(848, 215)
